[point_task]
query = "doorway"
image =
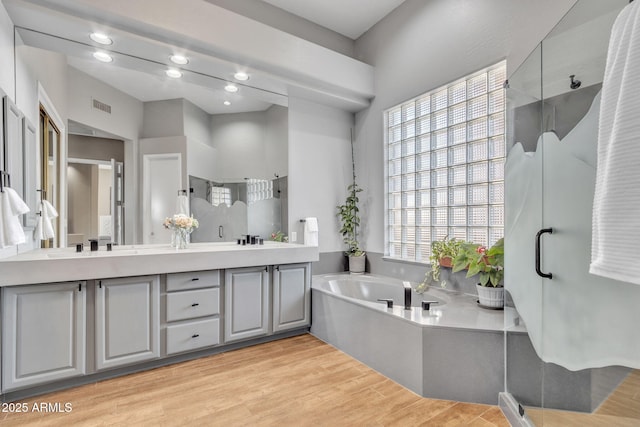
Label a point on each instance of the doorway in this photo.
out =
(95, 185)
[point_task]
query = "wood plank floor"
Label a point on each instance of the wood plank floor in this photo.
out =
(298, 381)
(620, 409)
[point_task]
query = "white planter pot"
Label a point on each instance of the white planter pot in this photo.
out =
(490, 297)
(356, 264)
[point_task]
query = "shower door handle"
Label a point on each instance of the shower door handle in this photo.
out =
(538, 238)
(220, 232)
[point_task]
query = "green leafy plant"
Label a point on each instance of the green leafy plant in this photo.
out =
(349, 215)
(477, 259)
(279, 236)
(445, 248)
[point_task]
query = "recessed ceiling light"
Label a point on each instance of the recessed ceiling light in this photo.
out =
(173, 73)
(179, 59)
(231, 88)
(241, 76)
(101, 38)
(227, 103)
(102, 56)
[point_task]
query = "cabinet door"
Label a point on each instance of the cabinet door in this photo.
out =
(43, 333)
(127, 321)
(291, 296)
(246, 303)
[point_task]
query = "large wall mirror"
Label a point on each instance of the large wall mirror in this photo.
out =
(121, 113)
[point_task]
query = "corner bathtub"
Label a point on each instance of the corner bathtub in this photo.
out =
(453, 351)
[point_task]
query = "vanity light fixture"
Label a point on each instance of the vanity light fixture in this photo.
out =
(241, 76)
(179, 59)
(101, 38)
(102, 56)
(173, 73)
(231, 88)
(227, 103)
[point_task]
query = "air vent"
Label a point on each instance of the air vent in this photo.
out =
(101, 106)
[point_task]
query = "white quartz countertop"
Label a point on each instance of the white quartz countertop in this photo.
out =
(65, 264)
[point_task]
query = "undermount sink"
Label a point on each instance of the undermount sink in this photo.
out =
(89, 254)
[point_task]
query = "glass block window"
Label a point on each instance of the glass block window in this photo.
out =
(445, 154)
(220, 195)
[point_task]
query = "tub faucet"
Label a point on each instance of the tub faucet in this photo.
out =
(407, 295)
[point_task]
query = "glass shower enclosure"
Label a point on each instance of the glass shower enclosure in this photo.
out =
(573, 351)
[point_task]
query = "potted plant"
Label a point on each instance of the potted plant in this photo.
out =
(488, 263)
(349, 215)
(442, 254)
(350, 221)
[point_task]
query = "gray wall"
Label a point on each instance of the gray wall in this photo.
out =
(424, 44)
(88, 147)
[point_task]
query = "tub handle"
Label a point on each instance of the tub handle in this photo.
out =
(426, 305)
(389, 301)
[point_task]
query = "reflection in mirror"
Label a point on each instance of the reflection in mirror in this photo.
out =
(229, 210)
(133, 100)
(50, 177)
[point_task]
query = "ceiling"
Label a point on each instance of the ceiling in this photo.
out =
(140, 61)
(350, 18)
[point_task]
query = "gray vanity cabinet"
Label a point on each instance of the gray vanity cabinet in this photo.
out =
(246, 303)
(127, 314)
(291, 296)
(43, 333)
(192, 311)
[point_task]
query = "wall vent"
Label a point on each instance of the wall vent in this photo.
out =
(101, 106)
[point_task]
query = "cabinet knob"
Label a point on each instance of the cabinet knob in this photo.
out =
(195, 304)
(195, 279)
(195, 335)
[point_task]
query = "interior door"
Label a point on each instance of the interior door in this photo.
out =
(162, 179)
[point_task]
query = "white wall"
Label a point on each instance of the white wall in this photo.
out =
(424, 44)
(7, 83)
(163, 118)
(319, 167)
(276, 141)
(197, 126)
(125, 120)
(239, 141)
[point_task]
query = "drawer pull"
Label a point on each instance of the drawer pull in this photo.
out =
(195, 279)
(195, 335)
(195, 304)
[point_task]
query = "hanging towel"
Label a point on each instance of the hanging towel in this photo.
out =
(182, 205)
(44, 226)
(311, 231)
(616, 203)
(11, 207)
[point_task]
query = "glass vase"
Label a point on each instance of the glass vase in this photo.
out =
(180, 238)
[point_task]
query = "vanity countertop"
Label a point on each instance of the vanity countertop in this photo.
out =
(65, 264)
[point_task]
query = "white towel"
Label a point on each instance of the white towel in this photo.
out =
(616, 204)
(182, 205)
(44, 226)
(11, 207)
(311, 231)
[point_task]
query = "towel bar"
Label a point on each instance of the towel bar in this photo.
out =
(4, 176)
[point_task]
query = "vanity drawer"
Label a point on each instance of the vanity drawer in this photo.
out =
(191, 304)
(193, 280)
(193, 335)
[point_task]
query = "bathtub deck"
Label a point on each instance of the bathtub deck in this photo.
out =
(453, 352)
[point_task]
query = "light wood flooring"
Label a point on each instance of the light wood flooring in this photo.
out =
(620, 409)
(298, 381)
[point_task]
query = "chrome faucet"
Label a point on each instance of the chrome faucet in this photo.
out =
(407, 295)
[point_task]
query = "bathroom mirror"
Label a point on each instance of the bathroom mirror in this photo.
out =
(219, 144)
